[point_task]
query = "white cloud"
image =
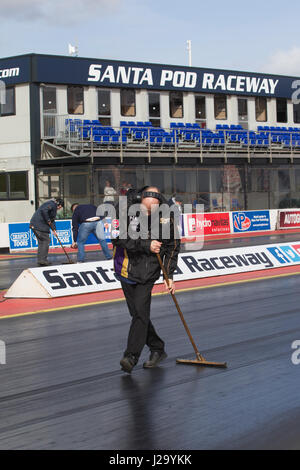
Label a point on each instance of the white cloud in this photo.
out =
(284, 62)
(56, 11)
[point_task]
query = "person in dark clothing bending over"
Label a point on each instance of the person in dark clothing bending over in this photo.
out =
(41, 222)
(137, 268)
(84, 222)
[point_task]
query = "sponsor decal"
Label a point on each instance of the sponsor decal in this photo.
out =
(289, 219)
(206, 224)
(251, 221)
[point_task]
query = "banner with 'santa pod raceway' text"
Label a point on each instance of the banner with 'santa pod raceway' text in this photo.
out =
(66, 280)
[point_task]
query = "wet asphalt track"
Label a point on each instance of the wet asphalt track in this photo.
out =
(62, 387)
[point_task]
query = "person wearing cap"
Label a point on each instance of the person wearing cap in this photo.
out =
(137, 268)
(42, 220)
(178, 200)
(84, 222)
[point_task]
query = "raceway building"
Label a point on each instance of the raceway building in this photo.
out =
(227, 139)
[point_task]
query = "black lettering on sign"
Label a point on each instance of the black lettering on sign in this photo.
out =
(191, 263)
(74, 280)
(264, 259)
(87, 280)
(48, 275)
(226, 260)
(253, 259)
(102, 272)
(206, 264)
(214, 263)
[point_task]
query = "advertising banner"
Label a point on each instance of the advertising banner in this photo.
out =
(197, 225)
(22, 238)
(288, 219)
(65, 280)
(251, 221)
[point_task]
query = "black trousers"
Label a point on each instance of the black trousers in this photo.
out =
(141, 332)
(43, 239)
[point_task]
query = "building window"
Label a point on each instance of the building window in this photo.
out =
(200, 108)
(220, 107)
(49, 100)
(104, 109)
(154, 108)
(281, 110)
(176, 104)
(75, 100)
(242, 109)
(297, 113)
(14, 185)
(9, 108)
(128, 107)
(261, 109)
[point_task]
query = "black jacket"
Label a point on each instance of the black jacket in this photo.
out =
(44, 216)
(134, 260)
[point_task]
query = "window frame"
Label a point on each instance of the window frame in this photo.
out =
(266, 109)
(10, 87)
(197, 118)
(171, 93)
(8, 185)
(219, 96)
(278, 100)
(69, 87)
(122, 92)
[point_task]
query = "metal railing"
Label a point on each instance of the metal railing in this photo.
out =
(79, 136)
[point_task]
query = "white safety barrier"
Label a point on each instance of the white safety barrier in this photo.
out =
(73, 279)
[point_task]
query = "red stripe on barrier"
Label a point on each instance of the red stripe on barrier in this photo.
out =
(14, 307)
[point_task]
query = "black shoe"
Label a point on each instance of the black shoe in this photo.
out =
(46, 263)
(154, 359)
(127, 363)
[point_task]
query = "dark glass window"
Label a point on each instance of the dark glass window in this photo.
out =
(154, 105)
(104, 103)
(128, 107)
(176, 104)
(200, 107)
(242, 109)
(75, 100)
(281, 110)
(261, 109)
(9, 108)
(297, 113)
(49, 100)
(3, 186)
(220, 107)
(14, 186)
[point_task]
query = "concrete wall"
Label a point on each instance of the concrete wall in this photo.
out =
(15, 154)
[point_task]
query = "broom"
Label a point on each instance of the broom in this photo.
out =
(200, 360)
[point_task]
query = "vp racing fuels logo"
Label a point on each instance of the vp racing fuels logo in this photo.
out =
(242, 222)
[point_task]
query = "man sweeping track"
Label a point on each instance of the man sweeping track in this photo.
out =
(41, 222)
(137, 267)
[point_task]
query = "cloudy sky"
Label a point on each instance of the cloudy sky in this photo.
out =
(249, 36)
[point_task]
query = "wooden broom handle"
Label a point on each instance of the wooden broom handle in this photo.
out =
(177, 306)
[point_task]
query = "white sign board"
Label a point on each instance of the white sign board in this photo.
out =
(73, 279)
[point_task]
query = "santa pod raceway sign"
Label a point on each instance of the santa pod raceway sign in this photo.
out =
(66, 280)
(206, 224)
(289, 219)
